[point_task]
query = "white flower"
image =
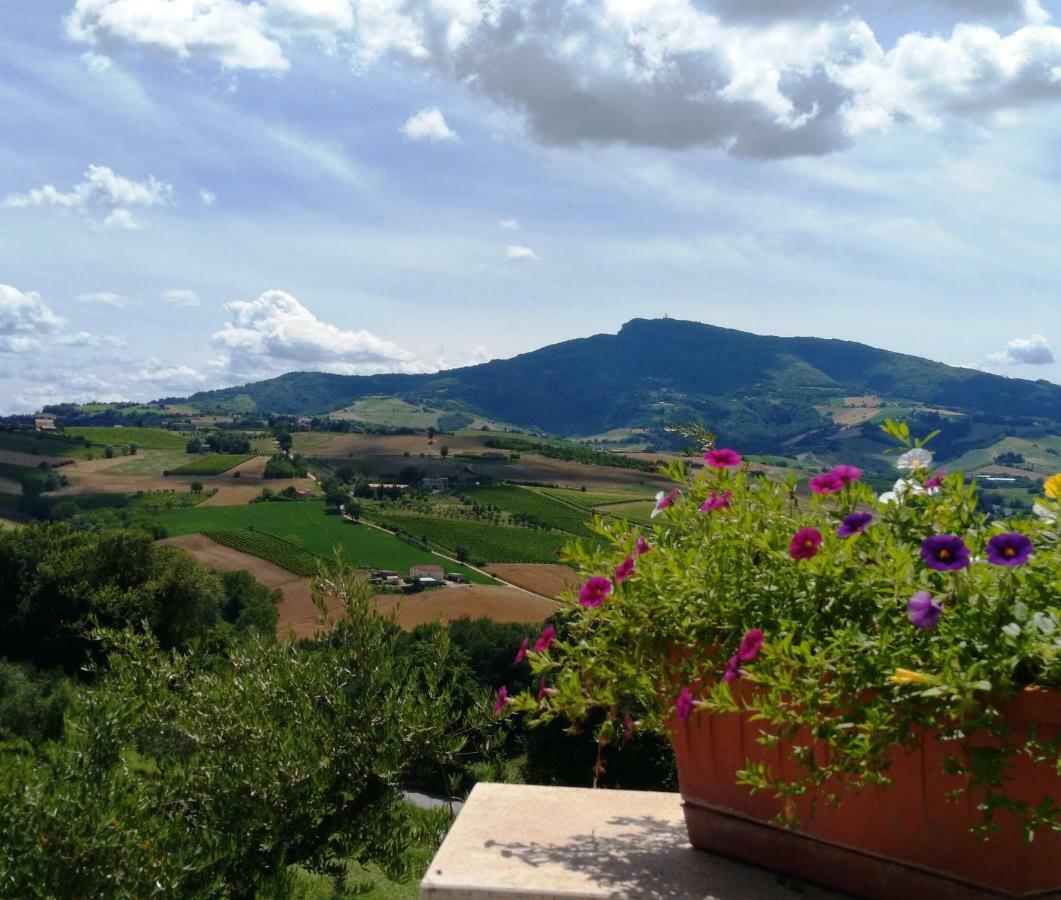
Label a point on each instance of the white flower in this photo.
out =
(902, 487)
(1043, 513)
(918, 458)
(888, 497)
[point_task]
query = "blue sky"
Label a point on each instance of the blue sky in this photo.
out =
(196, 193)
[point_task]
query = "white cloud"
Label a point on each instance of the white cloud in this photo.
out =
(97, 62)
(103, 298)
(101, 193)
(428, 125)
(761, 78)
(275, 333)
(209, 198)
(516, 253)
(156, 372)
(181, 297)
(1030, 351)
(509, 224)
(231, 32)
(24, 317)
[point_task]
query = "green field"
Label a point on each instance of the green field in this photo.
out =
(634, 511)
(271, 548)
(1042, 455)
(306, 524)
(544, 510)
(171, 499)
(145, 438)
(149, 462)
(212, 464)
(39, 443)
(591, 500)
(485, 542)
(21, 474)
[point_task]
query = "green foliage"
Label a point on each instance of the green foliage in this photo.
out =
(570, 452)
(838, 635)
(271, 548)
(533, 508)
(211, 464)
(32, 703)
(172, 499)
(192, 775)
(57, 582)
(144, 438)
(249, 605)
(232, 443)
(280, 466)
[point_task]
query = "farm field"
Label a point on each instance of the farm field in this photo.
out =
(145, 438)
(30, 460)
(492, 543)
(39, 444)
(306, 524)
(544, 510)
(1038, 458)
(150, 462)
(211, 464)
(591, 500)
(8, 486)
(545, 579)
(478, 601)
(286, 555)
(574, 476)
(325, 444)
(17, 474)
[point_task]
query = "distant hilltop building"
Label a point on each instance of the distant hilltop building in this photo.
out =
(44, 423)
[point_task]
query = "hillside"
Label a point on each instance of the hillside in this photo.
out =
(763, 390)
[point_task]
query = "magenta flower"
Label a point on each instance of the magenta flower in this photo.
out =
(847, 474)
(826, 484)
(936, 481)
(733, 669)
(625, 570)
(1013, 549)
(685, 704)
(805, 543)
(594, 591)
(545, 640)
(923, 611)
(642, 546)
(663, 501)
(855, 523)
(716, 501)
(502, 700)
(628, 725)
(750, 645)
(722, 459)
(543, 691)
(945, 552)
(521, 654)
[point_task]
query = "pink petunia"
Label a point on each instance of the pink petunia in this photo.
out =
(664, 501)
(521, 654)
(685, 704)
(543, 691)
(847, 474)
(594, 591)
(628, 725)
(722, 459)
(805, 543)
(733, 669)
(545, 640)
(625, 570)
(750, 645)
(642, 546)
(826, 484)
(716, 501)
(935, 482)
(502, 700)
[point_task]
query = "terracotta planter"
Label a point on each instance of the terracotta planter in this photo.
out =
(904, 842)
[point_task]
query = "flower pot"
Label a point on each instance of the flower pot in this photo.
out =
(904, 841)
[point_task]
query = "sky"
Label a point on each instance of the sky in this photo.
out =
(199, 193)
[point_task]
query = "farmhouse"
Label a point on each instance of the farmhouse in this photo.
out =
(435, 572)
(44, 424)
(435, 484)
(302, 493)
(457, 577)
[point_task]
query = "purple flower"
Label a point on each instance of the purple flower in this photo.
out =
(502, 700)
(685, 704)
(594, 591)
(923, 611)
(545, 640)
(750, 645)
(521, 654)
(665, 500)
(642, 546)
(936, 481)
(855, 523)
(716, 501)
(625, 570)
(1011, 549)
(826, 484)
(722, 459)
(945, 552)
(805, 543)
(543, 691)
(847, 474)
(733, 669)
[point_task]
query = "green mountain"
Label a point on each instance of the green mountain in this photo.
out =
(759, 391)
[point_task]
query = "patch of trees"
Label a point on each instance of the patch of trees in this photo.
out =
(219, 442)
(575, 454)
(281, 466)
(1009, 458)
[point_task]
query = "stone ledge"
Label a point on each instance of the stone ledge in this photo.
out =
(552, 842)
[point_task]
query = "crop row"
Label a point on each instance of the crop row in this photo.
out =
(212, 464)
(269, 547)
(538, 509)
(144, 438)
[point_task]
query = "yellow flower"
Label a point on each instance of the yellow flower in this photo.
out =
(908, 676)
(1052, 487)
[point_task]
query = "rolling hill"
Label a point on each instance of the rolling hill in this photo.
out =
(761, 391)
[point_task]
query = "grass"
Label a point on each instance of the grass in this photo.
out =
(171, 499)
(271, 548)
(306, 524)
(150, 462)
(591, 499)
(541, 508)
(634, 511)
(18, 473)
(486, 542)
(390, 411)
(145, 438)
(38, 443)
(212, 464)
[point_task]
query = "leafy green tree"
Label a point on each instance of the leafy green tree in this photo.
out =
(194, 445)
(196, 487)
(108, 452)
(249, 605)
(31, 703)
